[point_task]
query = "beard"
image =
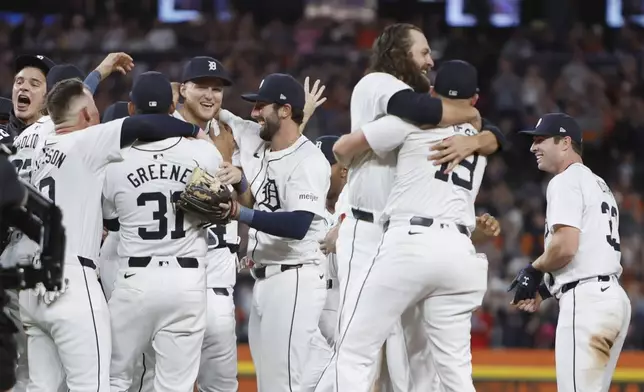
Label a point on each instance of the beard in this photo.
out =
(269, 129)
(414, 77)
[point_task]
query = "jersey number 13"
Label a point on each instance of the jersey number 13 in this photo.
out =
(160, 217)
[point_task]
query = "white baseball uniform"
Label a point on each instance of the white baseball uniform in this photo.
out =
(290, 287)
(369, 182)
(161, 282)
(108, 265)
(72, 335)
(22, 250)
(218, 370)
(429, 216)
(594, 310)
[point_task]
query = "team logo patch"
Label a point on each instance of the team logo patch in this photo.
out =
(271, 199)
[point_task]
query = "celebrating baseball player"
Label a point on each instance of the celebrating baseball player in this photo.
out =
(429, 217)
(27, 91)
(581, 261)
(202, 88)
(161, 281)
(68, 329)
(399, 63)
(323, 340)
(288, 181)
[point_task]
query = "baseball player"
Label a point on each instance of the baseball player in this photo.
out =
(324, 339)
(68, 330)
(400, 61)
(22, 250)
(429, 217)
(289, 179)
(202, 88)
(161, 281)
(581, 261)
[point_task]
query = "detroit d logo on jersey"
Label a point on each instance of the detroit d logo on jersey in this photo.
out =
(270, 197)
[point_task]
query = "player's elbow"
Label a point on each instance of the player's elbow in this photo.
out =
(341, 148)
(348, 146)
(568, 243)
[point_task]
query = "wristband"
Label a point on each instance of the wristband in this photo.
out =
(242, 185)
(246, 215)
(544, 292)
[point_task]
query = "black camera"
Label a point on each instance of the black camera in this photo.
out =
(40, 220)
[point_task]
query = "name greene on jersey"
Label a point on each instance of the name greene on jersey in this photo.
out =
(159, 171)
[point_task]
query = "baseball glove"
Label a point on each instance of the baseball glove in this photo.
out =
(204, 196)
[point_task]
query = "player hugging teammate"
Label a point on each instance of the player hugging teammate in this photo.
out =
(170, 182)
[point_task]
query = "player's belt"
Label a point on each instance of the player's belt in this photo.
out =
(429, 222)
(85, 262)
(362, 215)
(220, 291)
(572, 285)
(262, 272)
(184, 262)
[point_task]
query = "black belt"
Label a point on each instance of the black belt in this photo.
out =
(260, 272)
(220, 291)
(572, 285)
(184, 262)
(428, 222)
(85, 262)
(362, 215)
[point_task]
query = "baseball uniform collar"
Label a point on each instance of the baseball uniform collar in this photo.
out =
(281, 153)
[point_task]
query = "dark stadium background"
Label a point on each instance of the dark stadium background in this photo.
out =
(534, 56)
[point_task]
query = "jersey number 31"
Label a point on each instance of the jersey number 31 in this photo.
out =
(160, 217)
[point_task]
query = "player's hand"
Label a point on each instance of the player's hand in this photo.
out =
(529, 305)
(229, 174)
(115, 62)
(224, 141)
(230, 209)
(526, 284)
(51, 296)
(327, 245)
(488, 225)
(313, 98)
(452, 151)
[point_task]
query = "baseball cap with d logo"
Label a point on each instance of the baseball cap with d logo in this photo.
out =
(281, 89)
(557, 124)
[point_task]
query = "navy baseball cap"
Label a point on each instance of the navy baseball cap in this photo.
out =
(205, 67)
(325, 144)
(5, 108)
(152, 93)
(456, 79)
(37, 61)
(557, 124)
(63, 72)
(115, 111)
(281, 89)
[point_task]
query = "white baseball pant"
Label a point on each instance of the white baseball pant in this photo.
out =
(69, 339)
(162, 301)
(218, 369)
(143, 374)
(593, 322)
(415, 264)
(284, 316)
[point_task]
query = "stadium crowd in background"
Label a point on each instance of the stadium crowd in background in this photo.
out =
(595, 77)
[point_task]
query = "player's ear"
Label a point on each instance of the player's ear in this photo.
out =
(85, 115)
(182, 90)
(131, 109)
(475, 99)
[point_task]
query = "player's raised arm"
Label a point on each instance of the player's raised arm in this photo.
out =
(380, 136)
(72, 108)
